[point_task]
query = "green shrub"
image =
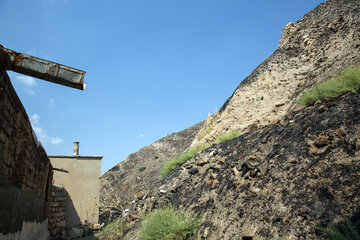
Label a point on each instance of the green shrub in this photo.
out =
(342, 231)
(293, 33)
(228, 136)
(114, 230)
(156, 157)
(181, 159)
(347, 81)
(169, 223)
(142, 168)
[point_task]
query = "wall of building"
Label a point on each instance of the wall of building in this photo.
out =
(82, 184)
(25, 171)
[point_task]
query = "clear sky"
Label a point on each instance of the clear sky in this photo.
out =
(154, 67)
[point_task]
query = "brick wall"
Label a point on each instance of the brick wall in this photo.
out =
(25, 170)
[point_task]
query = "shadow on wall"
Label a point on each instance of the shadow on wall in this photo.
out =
(72, 218)
(73, 223)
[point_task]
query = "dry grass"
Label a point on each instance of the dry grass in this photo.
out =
(181, 159)
(347, 81)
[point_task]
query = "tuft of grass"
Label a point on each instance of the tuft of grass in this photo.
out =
(293, 33)
(228, 136)
(181, 159)
(347, 81)
(114, 230)
(169, 223)
(142, 168)
(342, 231)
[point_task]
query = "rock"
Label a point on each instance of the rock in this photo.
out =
(236, 172)
(249, 231)
(263, 168)
(252, 161)
(312, 148)
(97, 226)
(193, 171)
(322, 141)
(341, 132)
(131, 218)
(212, 153)
(331, 26)
(75, 232)
(202, 161)
(215, 183)
(87, 230)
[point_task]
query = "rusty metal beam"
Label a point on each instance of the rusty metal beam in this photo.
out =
(46, 70)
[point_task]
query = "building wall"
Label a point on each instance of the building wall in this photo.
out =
(82, 184)
(25, 171)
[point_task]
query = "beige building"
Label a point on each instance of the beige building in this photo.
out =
(80, 177)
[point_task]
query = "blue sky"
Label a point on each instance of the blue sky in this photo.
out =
(154, 67)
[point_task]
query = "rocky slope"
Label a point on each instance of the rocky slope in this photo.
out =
(277, 181)
(124, 183)
(323, 41)
(291, 169)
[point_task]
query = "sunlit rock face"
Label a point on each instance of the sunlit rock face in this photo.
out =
(311, 50)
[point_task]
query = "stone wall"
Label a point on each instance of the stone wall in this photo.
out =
(25, 171)
(59, 197)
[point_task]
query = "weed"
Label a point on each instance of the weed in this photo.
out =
(347, 81)
(293, 33)
(181, 159)
(310, 74)
(348, 229)
(228, 136)
(342, 231)
(114, 230)
(142, 168)
(169, 223)
(302, 25)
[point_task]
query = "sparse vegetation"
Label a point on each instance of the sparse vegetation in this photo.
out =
(347, 81)
(345, 230)
(293, 33)
(342, 231)
(142, 168)
(181, 159)
(169, 223)
(114, 230)
(228, 136)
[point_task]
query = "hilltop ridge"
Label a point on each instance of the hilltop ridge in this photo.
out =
(324, 41)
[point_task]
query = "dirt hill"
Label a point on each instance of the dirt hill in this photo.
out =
(290, 170)
(277, 181)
